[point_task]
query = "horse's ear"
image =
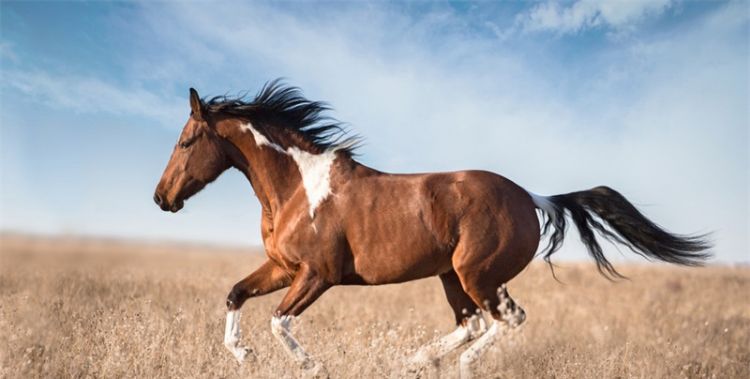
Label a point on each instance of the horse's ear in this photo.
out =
(196, 105)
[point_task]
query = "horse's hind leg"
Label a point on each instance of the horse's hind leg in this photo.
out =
(505, 313)
(469, 321)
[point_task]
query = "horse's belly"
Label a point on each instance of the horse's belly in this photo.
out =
(399, 228)
(399, 257)
(373, 272)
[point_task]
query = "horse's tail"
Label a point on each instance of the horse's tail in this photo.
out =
(622, 223)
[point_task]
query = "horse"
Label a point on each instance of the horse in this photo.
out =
(329, 220)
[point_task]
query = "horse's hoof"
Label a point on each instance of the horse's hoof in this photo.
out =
(417, 364)
(314, 370)
(418, 359)
(417, 371)
(240, 353)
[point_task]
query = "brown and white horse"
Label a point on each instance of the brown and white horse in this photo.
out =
(328, 220)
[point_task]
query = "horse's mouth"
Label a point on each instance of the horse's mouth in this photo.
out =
(190, 189)
(176, 206)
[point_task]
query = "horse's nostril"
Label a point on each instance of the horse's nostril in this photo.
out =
(157, 199)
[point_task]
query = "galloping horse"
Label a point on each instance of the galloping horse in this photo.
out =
(328, 220)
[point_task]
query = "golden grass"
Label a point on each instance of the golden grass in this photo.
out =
(83, 308)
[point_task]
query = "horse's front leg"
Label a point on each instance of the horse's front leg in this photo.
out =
(267, 278)
(307, 286)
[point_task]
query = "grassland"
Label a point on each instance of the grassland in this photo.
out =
(97, 308)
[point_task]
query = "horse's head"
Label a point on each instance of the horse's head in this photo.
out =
(198, 159)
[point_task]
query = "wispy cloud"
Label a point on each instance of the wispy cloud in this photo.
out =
(387, 73)
(7, 53)
(84, 94)
(552, 16)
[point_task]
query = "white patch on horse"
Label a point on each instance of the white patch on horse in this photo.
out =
(314, 168)
(476, 349)
(316, 174)
(260, 139)
(542, 202)
(232, 336)
(475, 327)
(545, 204)
(432, 351)
(281, 329)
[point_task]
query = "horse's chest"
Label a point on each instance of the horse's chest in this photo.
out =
(299, 238)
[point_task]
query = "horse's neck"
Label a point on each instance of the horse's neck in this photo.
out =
(272, 174)
(276, 173)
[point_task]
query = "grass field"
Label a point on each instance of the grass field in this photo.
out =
(96, 308)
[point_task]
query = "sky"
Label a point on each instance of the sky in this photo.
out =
(648, 97)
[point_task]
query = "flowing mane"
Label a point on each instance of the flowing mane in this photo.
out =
(281, 107)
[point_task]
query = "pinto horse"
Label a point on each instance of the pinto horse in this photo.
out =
(328, 220)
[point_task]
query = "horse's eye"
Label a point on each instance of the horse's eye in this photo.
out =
(185, 144)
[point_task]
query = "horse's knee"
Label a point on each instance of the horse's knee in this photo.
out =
(236, 297)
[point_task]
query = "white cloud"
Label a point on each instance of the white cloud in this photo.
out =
(7, 52)
(384, 78)
(90, 94)
(555, 17)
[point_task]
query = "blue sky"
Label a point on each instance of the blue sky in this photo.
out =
(649, 97)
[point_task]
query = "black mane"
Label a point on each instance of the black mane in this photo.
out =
(281, 106)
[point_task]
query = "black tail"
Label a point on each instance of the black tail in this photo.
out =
(623, 223)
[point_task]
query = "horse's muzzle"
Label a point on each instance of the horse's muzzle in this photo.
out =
(160, 201)
(164, 204)
(176, 206)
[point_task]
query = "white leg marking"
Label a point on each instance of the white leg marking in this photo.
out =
(474, 327)
(232, 336)
(281, 329)
(476, 349)
(477, 325)
(444, 345)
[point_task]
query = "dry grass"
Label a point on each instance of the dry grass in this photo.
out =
(101, 309)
